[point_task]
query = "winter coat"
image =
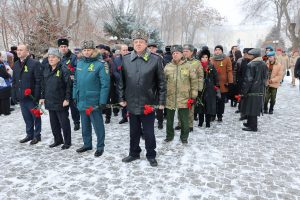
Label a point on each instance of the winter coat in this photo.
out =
(5, 85)
(116, 67)
(91, 83)
(197, 65)
(167, 58)
(142, 81)
(207, 99)
(224, 69)
(182, 84)
(27, 76)
(69, 60)
(275, 74)
(241, 72)
(253, 87)
(297, 68)
(56, 87)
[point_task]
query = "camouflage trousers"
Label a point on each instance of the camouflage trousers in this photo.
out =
(270, 96)
(191, 117)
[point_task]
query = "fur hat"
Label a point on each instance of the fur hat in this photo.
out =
(139, 34)
(54, 51)
(189, 47)
(87, 44)
(152, 45)
(219, 47)
(204, 52)
(176, 48)
(62, 41)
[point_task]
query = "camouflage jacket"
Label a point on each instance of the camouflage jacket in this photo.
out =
(182, 84)
(200, 74)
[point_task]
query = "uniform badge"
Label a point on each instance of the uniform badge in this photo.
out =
(91, 67)
(68, 62)
(106, 67)
(25, 68)
(57, 73)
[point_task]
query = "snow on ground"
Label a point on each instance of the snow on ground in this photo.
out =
(222, 162)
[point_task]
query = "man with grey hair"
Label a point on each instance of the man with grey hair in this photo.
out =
(142, 82)
(27, 77)
(253, 89)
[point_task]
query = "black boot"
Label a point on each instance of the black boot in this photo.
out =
(107, 121)
(55, 144)
(130, 159)
(98, 153)
(271, 109)
(160, 125)
(76, 126)
(83, 149)
(26, 139)
(124, 120)
(266, 108)
(201, 120)
(177, 128)
(35, 141)
(207, 120)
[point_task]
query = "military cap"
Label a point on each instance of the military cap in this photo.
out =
(87, 44)
(63, 41)
(139, 34)
(255, 52)
(271, 53)
(176, 48)
(189, 47)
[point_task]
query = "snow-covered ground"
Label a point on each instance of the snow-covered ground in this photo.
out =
(222, 162)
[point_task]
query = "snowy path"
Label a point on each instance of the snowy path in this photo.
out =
(218, 163)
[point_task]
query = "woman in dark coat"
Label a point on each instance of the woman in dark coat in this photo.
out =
(56, 93)
(207, 98)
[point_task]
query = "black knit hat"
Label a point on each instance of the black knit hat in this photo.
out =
(219, 47)
(245, 50)
(62, 41)
(204, 52)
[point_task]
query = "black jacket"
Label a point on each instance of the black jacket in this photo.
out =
(56, 87)
(27, 76)
(253, 87)
(208, 96)
(297, 68)
(142, 81)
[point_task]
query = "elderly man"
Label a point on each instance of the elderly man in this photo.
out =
(27, 75)
(141, 82)
(253, 89)
(70, 60)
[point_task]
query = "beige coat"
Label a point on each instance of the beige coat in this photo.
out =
(276, 74)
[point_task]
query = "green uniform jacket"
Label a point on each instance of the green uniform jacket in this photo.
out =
(200, 74)
(92, 81)
(182, 84)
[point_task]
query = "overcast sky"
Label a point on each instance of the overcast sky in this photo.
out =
(229, 9)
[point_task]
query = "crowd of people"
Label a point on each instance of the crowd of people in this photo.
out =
(142, 81)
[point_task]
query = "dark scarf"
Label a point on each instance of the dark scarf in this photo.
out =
(219, 57)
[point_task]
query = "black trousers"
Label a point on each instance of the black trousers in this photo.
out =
(5, 106)
(207, 118)
(124, 112)
(136, 124)
(252, 122)
(74, 112)
(160, 116)
(60, 120)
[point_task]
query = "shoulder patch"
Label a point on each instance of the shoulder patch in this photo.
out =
(106, 67)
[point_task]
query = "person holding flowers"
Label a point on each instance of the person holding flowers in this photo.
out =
(141, 83)
(27, 90)
(56, 94)
(182, 90)
(90, 91)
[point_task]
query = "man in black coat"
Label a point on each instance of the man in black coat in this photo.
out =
(253, 89)
(56, 94)
(69, 59)
(297, 69)
(141, 81)
(27, 75)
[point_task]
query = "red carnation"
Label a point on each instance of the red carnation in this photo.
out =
(216, 88)
(238, 98)
(89, 110)
(190, 103)
(119, 68)
(27, 92)
(71, 68)
(36, 112)
(219, 70)
(148, 109)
